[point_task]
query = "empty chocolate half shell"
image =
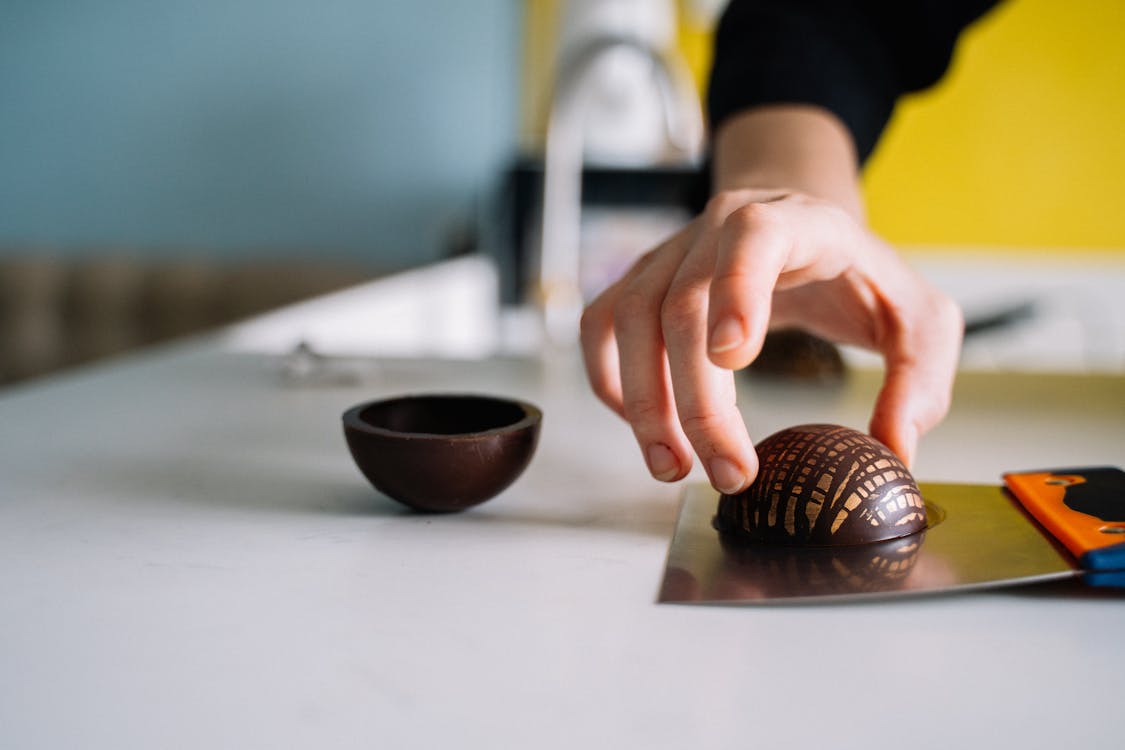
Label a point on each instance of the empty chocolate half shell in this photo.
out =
(822, 485)
(442, 452)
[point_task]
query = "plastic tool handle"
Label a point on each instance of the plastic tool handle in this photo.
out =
(1083, 508)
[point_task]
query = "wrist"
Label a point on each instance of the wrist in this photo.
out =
(791, 147)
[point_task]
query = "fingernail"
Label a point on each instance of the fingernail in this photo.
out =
(726, 476)
(726, 335)
(662, 462)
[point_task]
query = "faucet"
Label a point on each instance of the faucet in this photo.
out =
(557, 289)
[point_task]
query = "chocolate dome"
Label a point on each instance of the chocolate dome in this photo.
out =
(822, 485)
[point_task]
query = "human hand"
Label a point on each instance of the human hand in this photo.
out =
(660, 345)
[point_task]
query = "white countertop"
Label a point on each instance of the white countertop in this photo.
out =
(188, 558)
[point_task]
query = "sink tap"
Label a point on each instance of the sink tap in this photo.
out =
(557, 289)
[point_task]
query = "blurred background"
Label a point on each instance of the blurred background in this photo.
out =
(166, 167)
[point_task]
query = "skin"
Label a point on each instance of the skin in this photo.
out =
(783, 243)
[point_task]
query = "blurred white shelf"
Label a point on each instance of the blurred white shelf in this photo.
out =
(446, 310)
(1075, 322)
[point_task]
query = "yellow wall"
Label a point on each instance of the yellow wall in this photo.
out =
(1023, 143)
(540, 24)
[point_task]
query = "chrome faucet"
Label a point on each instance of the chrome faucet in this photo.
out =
(557, 289)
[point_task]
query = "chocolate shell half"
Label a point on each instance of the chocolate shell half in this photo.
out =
(823, 485)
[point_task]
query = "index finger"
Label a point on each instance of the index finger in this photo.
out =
(765, 247)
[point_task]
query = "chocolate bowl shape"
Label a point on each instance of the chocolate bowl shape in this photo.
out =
(442, 452)
(822, 485)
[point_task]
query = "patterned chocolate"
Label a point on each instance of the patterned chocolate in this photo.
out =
(823, 485)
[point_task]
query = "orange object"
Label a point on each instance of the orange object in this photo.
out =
(1085, 520)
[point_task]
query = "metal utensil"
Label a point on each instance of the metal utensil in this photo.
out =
(979, 536)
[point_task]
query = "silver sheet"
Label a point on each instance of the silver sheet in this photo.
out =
(978, 537)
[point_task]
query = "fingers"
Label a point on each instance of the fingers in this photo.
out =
(705, 393)
(646, 388)
(599, 343)
(765, 247)
(660, 344)
(837, 280)
(599, 349)
(921, 356)
(626, 363)
(661, 381)
(751, 252)
(672, 378)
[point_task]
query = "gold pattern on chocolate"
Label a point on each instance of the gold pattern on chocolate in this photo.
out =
(824, 485)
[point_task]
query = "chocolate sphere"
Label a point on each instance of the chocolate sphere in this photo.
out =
(823, 485)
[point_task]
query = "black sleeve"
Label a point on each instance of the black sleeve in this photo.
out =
(852, 57)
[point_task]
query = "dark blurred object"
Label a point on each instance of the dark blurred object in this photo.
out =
(797, 355)
(1000, 318)
(32, 328)
(57, 313)
(676, 187)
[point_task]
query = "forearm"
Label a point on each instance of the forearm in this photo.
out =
(796, 147)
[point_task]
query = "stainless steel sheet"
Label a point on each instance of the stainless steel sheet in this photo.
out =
(978, 536)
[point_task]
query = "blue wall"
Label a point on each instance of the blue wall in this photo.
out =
(359, 129)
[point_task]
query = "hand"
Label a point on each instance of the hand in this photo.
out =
(660, 345)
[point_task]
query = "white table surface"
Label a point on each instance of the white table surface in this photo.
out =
(188, 558)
